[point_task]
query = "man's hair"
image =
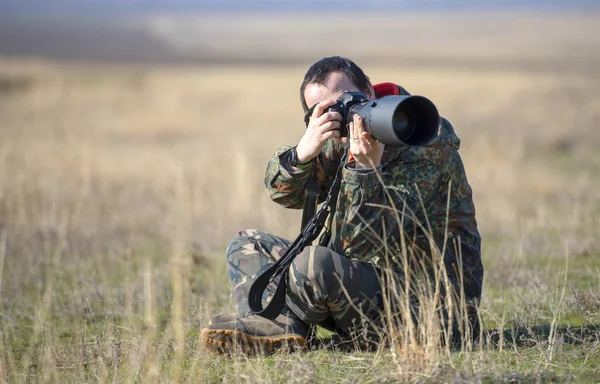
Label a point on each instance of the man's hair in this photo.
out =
(318, 72)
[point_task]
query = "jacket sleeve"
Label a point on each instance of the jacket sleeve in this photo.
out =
(373, 206)
(286, 185)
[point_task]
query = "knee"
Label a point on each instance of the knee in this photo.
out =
(245, 234)
(315, 264)
(239, 241)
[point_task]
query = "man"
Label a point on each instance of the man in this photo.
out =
(398, 210)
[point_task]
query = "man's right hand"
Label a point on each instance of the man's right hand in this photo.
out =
(321, 127)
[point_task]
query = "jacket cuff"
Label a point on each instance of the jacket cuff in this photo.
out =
(286, 168)
(363, 178)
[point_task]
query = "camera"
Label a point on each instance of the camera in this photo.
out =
(392, 120)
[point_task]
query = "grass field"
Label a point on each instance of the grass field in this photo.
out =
(120, 187)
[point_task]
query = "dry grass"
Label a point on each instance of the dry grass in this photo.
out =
(120, 187)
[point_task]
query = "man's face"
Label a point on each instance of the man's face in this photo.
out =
(334, 85)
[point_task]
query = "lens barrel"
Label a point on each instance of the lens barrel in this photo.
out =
(398, 120)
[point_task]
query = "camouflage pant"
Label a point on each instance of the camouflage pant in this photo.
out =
(328, 289)
(324, 288)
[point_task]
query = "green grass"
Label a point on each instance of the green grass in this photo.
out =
(97, 324)
(102, 342)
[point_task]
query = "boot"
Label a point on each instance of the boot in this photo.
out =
(223, 318)
(254, 335)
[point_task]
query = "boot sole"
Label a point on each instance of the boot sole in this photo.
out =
(229, 342)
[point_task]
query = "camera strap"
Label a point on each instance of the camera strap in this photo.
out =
(311, 196)
(277, 273)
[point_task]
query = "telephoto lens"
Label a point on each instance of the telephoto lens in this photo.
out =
(395, 121)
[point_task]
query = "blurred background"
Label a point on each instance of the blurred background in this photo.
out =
(132, 100)
(134, 136)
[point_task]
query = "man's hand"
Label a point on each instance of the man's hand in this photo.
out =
(321, 127)
(366, 150)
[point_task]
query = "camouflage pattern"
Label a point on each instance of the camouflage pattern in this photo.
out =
(249, 254)
(420, 193)
(324, 288)
(333, 291)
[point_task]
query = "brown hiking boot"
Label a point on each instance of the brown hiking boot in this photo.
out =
(253, 335)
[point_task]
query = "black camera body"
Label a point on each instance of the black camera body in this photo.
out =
(393, 120)
(346, 101)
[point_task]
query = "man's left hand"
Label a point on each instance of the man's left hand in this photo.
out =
(367, 151)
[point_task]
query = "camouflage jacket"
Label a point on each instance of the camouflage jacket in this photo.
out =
(416, 191)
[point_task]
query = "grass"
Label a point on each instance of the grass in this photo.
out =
(121, 186)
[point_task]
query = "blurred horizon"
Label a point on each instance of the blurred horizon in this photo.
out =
(427, 37)
(102, 7)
